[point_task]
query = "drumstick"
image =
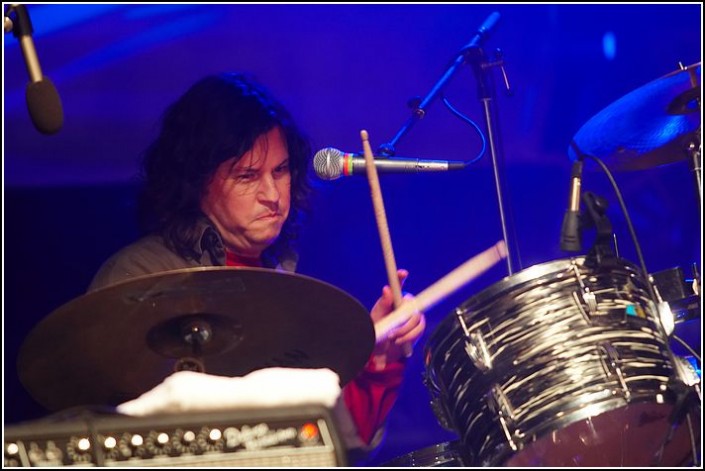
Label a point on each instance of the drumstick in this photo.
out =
(381, 217)
(443, 287)
(383, 227)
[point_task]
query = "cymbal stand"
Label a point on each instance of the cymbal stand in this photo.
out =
(696, 165)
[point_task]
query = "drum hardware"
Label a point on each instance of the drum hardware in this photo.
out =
(601, 251)
(604, 256)
(475, 346)
(226, 321)
(586, 294)
(579, 305)
(459, 314)
(499, 404)
(680, 293)
(188, 339)
(610, 361)
(664, 310)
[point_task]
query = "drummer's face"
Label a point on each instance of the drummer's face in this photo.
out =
(248, 202)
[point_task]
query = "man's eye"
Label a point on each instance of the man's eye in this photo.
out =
(245, 177)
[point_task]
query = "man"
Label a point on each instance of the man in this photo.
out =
(225, 182)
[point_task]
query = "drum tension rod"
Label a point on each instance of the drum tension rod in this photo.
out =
(587, 295)
(612, 368)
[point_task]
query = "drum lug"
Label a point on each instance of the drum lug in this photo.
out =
(612, 368)
(475, 345)
(476, 348)
(499, 403)
(587, 295)
(579, 305)
(589, 298)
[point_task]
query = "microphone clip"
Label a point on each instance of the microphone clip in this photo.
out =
(601, 252)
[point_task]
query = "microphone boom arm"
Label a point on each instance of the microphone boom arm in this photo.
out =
(389, 149)
(22, 30)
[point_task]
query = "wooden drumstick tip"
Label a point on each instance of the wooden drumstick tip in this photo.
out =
(501, 248)
(364, 135)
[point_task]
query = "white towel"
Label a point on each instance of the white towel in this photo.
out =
(187, 391)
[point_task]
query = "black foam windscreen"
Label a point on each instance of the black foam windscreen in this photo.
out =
(44, 105)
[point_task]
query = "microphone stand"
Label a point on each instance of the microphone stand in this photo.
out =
(473, 54)
(389, 149)
(486, 93)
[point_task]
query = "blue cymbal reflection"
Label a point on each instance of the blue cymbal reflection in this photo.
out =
(651, 126)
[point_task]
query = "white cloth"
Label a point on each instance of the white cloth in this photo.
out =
(187, 391)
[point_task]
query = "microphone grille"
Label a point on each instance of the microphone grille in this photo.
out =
(328, 163)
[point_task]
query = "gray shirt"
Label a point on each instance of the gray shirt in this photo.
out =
(151, 254)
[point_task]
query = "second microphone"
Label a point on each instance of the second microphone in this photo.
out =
(331, 163)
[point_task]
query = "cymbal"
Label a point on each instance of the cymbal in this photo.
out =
(650, 126)
(114, 344)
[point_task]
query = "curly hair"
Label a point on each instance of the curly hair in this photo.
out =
(219, 117)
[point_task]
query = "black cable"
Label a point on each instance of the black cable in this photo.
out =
(687, 347)
(637, 247)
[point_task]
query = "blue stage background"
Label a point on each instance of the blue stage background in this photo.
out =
(69, 198)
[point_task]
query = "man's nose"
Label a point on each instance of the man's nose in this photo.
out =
(268, 190)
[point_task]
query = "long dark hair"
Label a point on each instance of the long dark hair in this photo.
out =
(219, 117)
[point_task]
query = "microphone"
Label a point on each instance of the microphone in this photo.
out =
(570, 230)
(43, 101)
(331, 163)
(482, 32)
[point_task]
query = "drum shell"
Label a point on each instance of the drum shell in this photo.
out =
(545, 349)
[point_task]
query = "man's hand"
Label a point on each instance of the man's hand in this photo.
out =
(402, 339)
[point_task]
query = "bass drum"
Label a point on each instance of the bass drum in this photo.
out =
(442, 455)
(562, 364)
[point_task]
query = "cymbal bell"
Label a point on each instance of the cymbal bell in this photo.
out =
(651, 126)
(114, 344)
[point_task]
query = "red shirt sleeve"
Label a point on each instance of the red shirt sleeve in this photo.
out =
(371, 395)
